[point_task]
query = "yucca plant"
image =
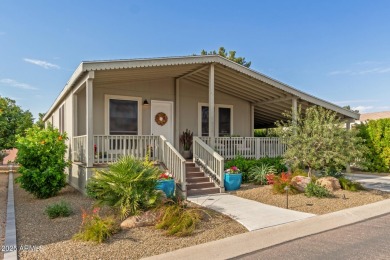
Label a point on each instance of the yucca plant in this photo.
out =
(258, 174)
(127, 185)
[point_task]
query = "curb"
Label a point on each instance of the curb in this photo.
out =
(10, 246)
(256, 240)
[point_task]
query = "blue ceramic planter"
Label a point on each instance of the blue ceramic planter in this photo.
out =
(232, 181)
(167, 186)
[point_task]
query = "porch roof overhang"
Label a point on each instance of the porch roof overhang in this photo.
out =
(269, 97)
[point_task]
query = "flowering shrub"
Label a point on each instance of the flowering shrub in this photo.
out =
(165, 176)
(95, 228)
(280, 182)
(232, 169)
(270, 178)
(41, 157)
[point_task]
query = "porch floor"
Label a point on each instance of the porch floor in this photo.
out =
(251, 214)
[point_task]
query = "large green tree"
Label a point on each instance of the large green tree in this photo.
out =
(13, 121)
(39, 123)
(319, 140)
(231, 55)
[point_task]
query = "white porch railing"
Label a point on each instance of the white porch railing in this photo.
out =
(211, 162)
(248, 147)
(108, 148)
(79, 148)
(173, 161)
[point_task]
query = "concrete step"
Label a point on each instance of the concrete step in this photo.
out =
(194, 174)
(202, 191)
(198, 179)
(192, 169)
(200, 185)
(190, 164)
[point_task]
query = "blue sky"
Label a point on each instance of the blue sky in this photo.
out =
(338, 50)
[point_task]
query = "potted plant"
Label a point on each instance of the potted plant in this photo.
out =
(232, 178)
(186, 142)
(166, 183)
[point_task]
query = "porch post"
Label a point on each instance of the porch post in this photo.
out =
(252, 134)
(211, 107)
(89, 124)
(294, 109)
(177, 113)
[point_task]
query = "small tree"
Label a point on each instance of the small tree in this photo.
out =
(230, 56)
(41, 157)
(13, 121)
(318, 140)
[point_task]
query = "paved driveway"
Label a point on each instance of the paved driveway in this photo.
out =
(371, 181)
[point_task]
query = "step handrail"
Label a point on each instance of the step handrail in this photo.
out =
(174, 161)
(211, 162)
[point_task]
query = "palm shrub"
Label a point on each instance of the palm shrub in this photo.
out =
(258, 174)
(41, 157)
(127, 185)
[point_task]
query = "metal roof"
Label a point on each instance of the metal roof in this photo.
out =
(269, 96)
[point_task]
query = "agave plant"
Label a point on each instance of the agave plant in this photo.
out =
(127, 185)
(258, 174)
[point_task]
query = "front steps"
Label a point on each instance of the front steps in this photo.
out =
(197, 182)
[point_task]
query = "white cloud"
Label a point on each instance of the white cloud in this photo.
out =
(363, 109)
(347, 102)
(16, 84)
(42, 63)
(378, 70)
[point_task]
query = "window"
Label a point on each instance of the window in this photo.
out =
(61, 121)
(223, 120)
(123, 115)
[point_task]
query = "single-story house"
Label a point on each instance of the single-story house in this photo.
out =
(364, 118)
(117, 107)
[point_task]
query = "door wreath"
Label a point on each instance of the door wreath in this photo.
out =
(161, 118)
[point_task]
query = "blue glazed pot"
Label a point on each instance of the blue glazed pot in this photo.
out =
(232, 181)
(167, 186)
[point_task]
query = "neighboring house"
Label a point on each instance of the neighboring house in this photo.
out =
(111, 108)
(373, 116)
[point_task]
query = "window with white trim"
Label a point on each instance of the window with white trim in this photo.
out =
(123, 115)
(223, 120)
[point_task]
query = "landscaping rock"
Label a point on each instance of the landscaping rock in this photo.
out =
(148, 218)
(300, 182)
(330, 183)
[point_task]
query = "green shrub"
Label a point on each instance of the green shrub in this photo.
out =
(41, 157)
(258, 174)
(376, 134)
(246, 164)
(332, 172)
(349, 185)
(179, 220)
(61, 209)
(315, 190)
(95, 228)
(128, 186)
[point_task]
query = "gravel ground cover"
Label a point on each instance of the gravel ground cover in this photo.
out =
(300, 202)
(43, 238)
(3, 208)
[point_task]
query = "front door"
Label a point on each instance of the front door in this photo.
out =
(162, 119)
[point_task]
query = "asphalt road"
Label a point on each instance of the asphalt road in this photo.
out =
(365, 240)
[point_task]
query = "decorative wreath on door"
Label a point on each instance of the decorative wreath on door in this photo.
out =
(161, 118)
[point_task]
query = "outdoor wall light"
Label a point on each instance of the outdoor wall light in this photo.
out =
(146, 103)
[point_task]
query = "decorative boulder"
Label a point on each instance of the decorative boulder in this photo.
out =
(148, 218)
(329, 183)
(300, 182)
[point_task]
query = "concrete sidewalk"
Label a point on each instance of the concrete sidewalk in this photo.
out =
(263, 238)
(371, 181)
(251, 214)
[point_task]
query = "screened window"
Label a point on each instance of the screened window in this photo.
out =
(224, 122)
(123, 116)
